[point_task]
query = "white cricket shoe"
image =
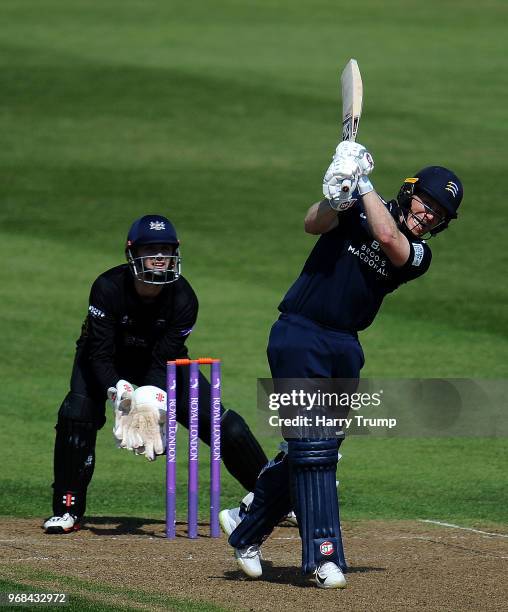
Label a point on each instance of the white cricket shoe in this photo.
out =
(229, 520)
(62, 524)
(249, 560)
(329, 576)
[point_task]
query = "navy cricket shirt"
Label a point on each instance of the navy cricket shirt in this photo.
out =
(347, 275)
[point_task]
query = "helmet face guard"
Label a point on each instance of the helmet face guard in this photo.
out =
(404, 200)
(155, 276)
(160, 265)
(442, 185)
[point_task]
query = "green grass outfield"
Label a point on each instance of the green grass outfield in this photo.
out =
(224, 116)
(84, 595)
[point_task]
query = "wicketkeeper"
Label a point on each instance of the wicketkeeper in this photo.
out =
(367, 249)
(140, 315)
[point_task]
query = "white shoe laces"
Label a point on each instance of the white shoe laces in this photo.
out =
(64, 517)
(252, 551)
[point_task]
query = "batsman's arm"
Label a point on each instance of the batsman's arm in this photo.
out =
(320, 218)
(384, 229)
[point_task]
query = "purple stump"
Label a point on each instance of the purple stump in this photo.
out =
(215, 456)
(171, 450)
(192, 515)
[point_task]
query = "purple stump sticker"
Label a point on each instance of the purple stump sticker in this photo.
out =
(192, 517)
(171, 451)
(215, 456)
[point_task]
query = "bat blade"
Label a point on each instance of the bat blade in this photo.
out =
(352, 99)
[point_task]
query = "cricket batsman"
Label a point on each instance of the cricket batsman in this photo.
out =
(367, 248)
(140, 315)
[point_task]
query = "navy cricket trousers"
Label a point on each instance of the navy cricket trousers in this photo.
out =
(300, 348)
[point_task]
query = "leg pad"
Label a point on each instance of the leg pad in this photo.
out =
(313, 464)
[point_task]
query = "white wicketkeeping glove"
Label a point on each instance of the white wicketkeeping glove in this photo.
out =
(350, 162)
(145, 431)
(121, 394)
(121, 397)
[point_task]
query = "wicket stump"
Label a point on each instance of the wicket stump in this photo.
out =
(215, 453)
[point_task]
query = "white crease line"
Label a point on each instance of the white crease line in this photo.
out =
(88, 558)
(498, 535)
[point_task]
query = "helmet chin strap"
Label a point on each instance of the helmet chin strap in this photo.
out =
(427, 235)
(417, 223)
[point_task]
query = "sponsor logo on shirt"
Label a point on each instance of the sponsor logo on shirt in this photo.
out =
(418, 256)
(96, 312)
(370, 256)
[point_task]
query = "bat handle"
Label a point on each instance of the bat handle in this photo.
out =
(346, 186)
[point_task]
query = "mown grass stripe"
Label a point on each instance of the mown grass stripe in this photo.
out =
(86, 595)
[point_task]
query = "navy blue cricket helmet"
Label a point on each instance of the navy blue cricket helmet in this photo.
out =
(441, 184)
(161, 267)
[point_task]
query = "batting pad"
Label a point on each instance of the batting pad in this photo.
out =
(313, 464)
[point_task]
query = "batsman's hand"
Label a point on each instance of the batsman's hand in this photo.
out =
(145, 432)
(356, 151)
(350, 162)
(339, 182)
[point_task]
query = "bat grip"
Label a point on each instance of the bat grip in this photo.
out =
(346, 186)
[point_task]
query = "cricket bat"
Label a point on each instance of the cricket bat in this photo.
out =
(352, 98)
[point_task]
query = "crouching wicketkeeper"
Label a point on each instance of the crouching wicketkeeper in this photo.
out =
(139, 316)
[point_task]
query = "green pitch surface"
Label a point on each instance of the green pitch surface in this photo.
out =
(223, 116)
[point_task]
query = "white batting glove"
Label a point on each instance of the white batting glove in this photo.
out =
(355, 150)
(366, 165)
(350, 165)
(145, 433)
(348, 148)
(364, 186)
(340, 181)
(365, 162)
